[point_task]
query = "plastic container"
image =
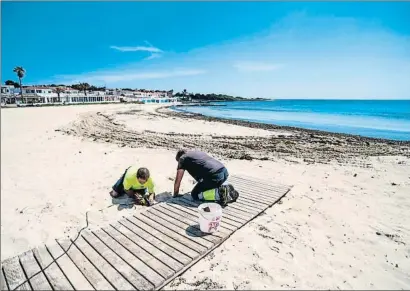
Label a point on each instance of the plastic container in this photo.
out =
(209, 221)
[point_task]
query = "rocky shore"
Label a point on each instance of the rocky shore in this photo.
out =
(293, 144)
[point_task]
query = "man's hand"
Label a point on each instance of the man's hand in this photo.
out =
(151, 199)
(177, 183)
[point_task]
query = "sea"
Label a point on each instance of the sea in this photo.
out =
(387, 119)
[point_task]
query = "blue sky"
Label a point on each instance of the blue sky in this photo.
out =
(252, 49)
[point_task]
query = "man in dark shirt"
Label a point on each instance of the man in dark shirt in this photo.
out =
(207, 171)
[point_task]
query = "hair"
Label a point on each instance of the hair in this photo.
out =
(143, 173)
(180, 153)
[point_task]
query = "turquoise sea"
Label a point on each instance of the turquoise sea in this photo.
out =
(389, 119)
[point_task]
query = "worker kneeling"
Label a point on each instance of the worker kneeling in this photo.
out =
(223, 195)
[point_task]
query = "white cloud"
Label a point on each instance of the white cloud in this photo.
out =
(246, 66)
(155, 52)
(150, 49)
(153, 56)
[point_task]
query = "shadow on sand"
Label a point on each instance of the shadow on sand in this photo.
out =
(195, 231)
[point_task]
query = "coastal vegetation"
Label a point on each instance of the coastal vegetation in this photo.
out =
(198, 97)
(20, 71)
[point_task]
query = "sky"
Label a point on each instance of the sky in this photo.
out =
(335, 50)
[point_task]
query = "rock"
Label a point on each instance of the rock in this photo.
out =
(246, 157)
(378, 233)
(355, 175)
(79, 152)
(393, 184)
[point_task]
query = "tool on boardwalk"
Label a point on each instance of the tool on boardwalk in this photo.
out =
(128, 202)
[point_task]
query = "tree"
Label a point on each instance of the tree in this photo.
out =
(20, 74)
(83, 87)
(12, 83)
(59, 90)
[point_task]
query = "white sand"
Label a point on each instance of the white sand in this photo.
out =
(322, 236)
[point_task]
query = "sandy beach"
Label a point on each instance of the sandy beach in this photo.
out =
(344, 225)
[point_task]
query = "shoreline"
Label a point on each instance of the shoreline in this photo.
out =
(254, 124)
(273, 142)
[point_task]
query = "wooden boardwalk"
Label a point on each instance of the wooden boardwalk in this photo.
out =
(141, 252)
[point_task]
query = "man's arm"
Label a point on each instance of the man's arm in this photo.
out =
(151, 190)
(130, 192)
(178, 179)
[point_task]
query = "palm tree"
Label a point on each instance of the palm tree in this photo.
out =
(59, 90)
(84, 87)
(20, 74)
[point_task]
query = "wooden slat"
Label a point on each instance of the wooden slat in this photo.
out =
(237, 213)
(267, 189)
(234, 216)
(71, 271)
(14, 274)
(166, 237)
(171, 234)
(228, 222)
(242, 209)
(141, 261)
(189, 218)
(195, 241)
(253, 195)
(3, 284)
(53, 272)
(90, 272)
(31, 267)
(171, 250)
(179, 213)
(265, 182)
(164, 264)
(106, 269)
(246, 208)
(132, 276)
(262, 186)
(260, 194)
(190, 227)
(251, 203)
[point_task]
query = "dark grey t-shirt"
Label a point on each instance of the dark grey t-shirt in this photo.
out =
(199, 164)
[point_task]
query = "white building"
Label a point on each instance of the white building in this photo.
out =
(47, 95)
(8, 89)
(8, 93)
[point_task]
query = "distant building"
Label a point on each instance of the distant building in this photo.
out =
(8, 89)
(43, 94)
(8, 94)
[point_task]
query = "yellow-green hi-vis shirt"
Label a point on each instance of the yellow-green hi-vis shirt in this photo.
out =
(131, 181)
